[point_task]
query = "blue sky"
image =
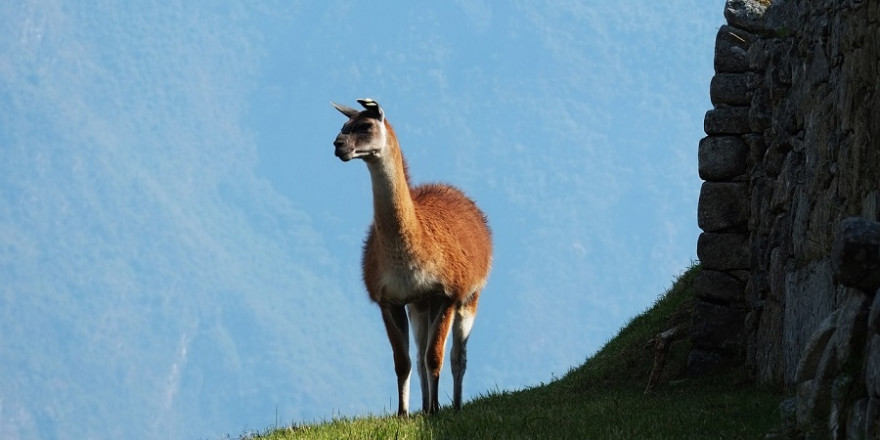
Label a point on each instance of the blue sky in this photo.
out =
(181, 249)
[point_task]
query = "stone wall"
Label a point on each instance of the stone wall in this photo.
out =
(792, 149)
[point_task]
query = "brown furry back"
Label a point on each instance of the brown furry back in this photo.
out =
(457, 225)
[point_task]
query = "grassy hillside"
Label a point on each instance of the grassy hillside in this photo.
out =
(603, 399)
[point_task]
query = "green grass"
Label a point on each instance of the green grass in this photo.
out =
(602, 399)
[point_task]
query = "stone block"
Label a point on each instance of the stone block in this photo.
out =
(787, 412)
(852, 326)
(757, 147)
(815, 395)
(760, 189)
(730, 88)
(722, 206)
(760, 110)
(777, 273)
(727, 120)
(773, 159)
(871, 205)
(858, 417)
(872, 366)
(718, 287)
(815, 349)
(855, 422)
(755, 291)
(803, 412)
(872, 419)
(746, 14)
(758, 54)
(874, 316)
(731, 50)
(856, 254)
(720, 251)
(721, 158)
(786, 184)
(809, 297)
(768, 356)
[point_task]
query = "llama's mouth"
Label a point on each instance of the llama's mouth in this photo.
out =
(344, 155)
(347, 155)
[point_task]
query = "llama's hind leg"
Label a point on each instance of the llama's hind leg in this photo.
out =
(442, 314)
(461, 329)
(395, 320)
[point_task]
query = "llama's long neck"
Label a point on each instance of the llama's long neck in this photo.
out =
(393, 209)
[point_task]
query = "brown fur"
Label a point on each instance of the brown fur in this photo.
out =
(429, 240)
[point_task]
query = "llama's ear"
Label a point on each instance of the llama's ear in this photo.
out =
(373, 108)
(345, 110)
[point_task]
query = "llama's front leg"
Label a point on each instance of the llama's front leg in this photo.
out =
(395, 320)
(420, 318)
(461, 329)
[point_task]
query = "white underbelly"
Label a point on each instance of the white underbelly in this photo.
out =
(404, 284)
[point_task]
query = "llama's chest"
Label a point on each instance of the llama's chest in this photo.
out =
(403, 279)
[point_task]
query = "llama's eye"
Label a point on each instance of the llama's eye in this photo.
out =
(361, 127)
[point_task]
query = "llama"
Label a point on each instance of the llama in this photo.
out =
(427, 256)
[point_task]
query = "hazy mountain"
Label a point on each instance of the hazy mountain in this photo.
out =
(179, 249)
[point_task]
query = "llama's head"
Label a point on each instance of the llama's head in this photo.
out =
(363, 135)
